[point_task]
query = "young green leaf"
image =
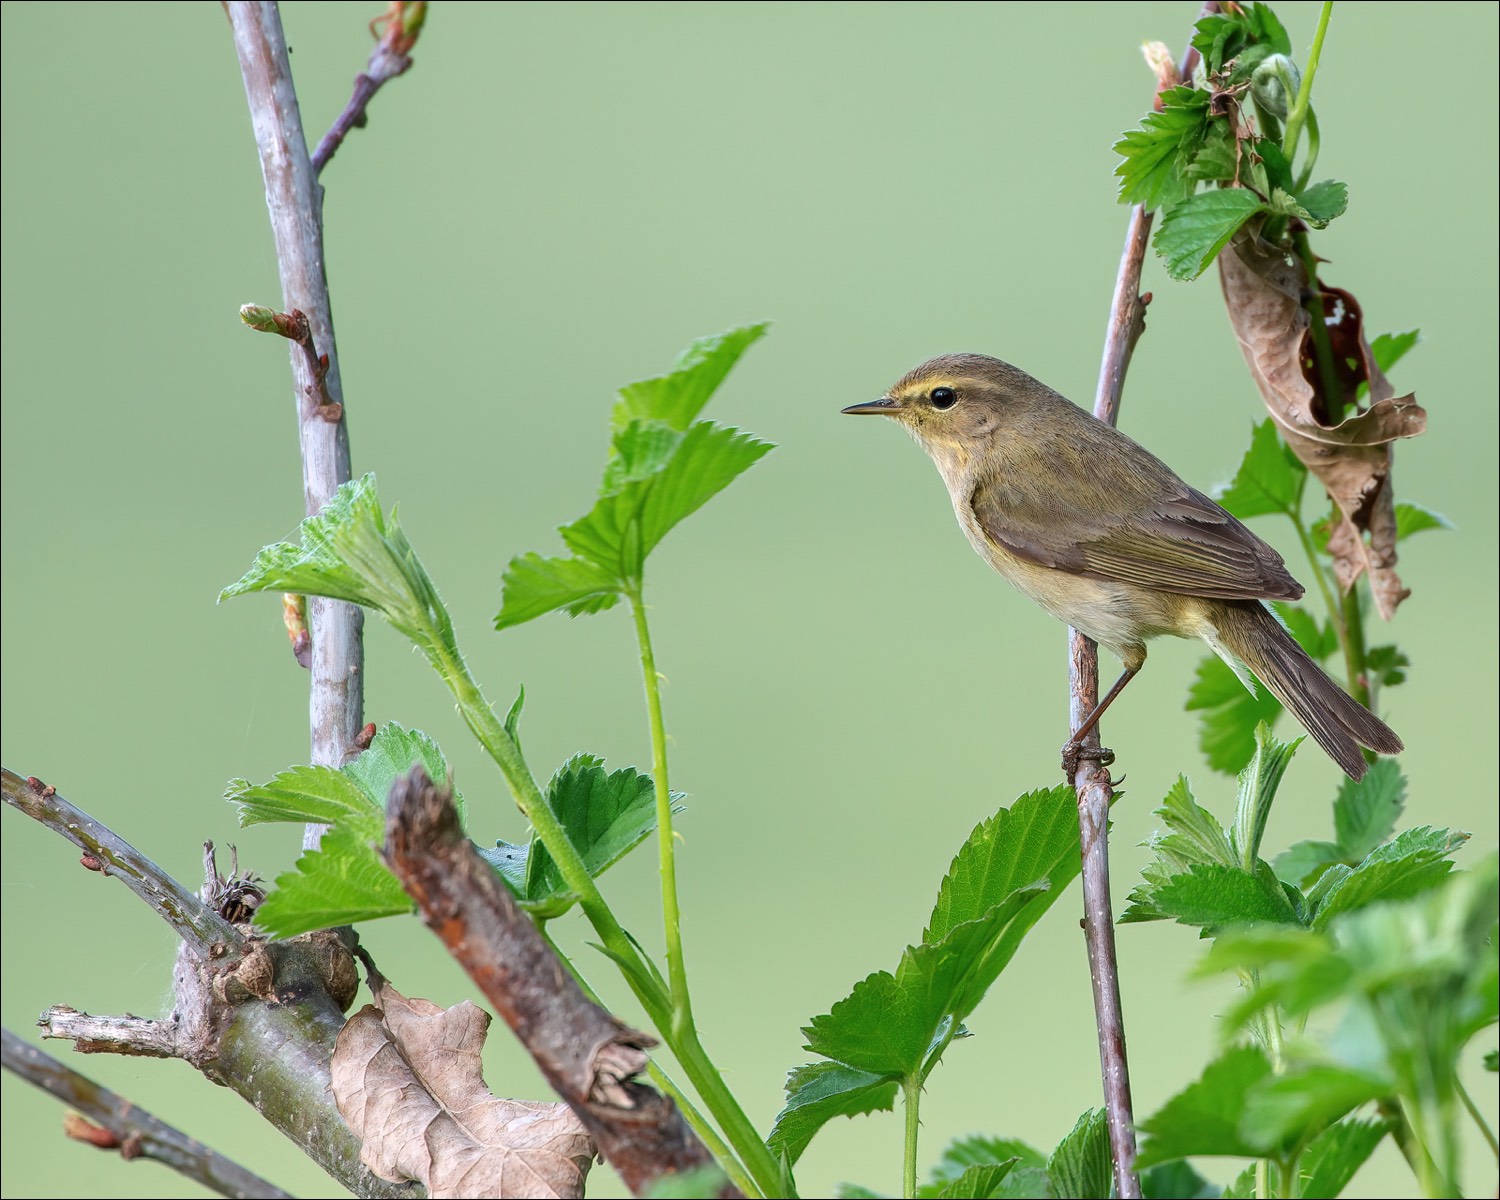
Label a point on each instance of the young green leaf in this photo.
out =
(977, 1183)
(625, 526)
(606, 815)
(818, 1092)
(1204, 1118)
(1176, 1181)
(1270, 478)
(343, 881)
(340, 883)
(349, 550)
(1332, 1158)
(1365, 811)
(534, 586)
(1194, 837)
(1079, 1168)
(1414, 518)
(1386, 665)
(1415, 861)
(977, 1150)
(1390, 348)
(1156, 156)
(1195, 229)
(678, 397)
(1322, 202)
(1257, 792)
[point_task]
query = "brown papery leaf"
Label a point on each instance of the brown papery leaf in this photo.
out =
(1262, 291)
(407, 1078)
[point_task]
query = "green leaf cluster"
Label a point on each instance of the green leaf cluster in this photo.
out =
(893, 1027)
(1212, 878)
(1200, 134)
(343, 881)
(664, 464)
(1412, 979)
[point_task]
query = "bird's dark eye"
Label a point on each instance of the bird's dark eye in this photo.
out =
(943, 397)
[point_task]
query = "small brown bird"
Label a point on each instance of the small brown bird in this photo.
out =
(1103, 535)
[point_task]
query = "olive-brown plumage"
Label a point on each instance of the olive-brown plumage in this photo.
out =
(1104, 535)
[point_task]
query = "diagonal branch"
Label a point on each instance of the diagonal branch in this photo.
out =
(1091, 781)
(590, 1058)
(390, 58)
(111, 1122)
(295, 202)
(105, 852)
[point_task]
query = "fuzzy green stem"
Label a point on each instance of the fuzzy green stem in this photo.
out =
(682, 1007)
(911, 1088)
(660, 1006)
(1330, 601)
(1299, 111)
(1354, 647)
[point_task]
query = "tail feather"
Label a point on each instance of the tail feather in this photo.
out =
(1337, 722)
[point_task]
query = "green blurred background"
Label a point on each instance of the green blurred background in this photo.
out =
(553, 202)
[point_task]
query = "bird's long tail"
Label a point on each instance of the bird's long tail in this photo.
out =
(1337, 722)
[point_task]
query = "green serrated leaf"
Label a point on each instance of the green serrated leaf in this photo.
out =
(323, 795)
(1212, 897)
(1319, 640)
(1386, 665)
(818, 1092)
(1304, 862)
(392, 753)
(1414, 518)
(605, 815)
(1035, 839)
(1195, 835)
(349, 550)
(1270, 478)
(340, 883)
(1365, 812)
(1204, 1118)
(889, 1024)
(1332, 1158)
(533, 586)
(1413, 862)
(1226, 730)
(678, 397)
(1079, 1168)
(1390, 348)
(1156, 156)
(1322, 202)
(977, 1150)
(979, 1182)
(626, 525)
(1195, 229)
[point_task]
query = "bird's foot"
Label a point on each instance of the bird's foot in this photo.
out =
(1075, 752)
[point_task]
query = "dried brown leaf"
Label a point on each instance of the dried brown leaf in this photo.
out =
(407, 1078)
(1262, 291)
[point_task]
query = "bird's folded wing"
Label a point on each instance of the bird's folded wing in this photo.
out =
(1183, 542)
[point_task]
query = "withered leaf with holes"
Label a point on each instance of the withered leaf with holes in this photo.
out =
(1352, 458)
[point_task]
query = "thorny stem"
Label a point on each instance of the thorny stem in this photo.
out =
(1300, 110)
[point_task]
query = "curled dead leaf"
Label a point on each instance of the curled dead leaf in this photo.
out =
(407, 1078)
(1351, 457)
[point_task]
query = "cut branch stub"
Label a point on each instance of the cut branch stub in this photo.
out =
(1263, 289)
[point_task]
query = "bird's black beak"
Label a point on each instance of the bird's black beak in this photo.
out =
(885, 406)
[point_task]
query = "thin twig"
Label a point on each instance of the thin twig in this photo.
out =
(590, 1058)
(391, 57)
(112, 1122)
(106, 853)
(1092, 781)
(295, 202)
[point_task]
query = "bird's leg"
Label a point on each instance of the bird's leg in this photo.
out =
(1075, 750)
